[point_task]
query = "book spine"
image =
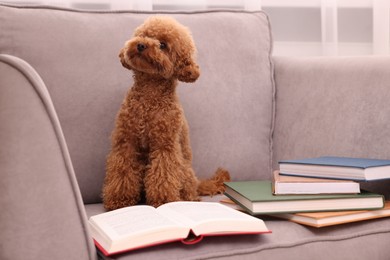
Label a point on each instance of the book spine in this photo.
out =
(192, 239)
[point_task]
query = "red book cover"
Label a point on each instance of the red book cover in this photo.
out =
(190, 240)
(143, 226)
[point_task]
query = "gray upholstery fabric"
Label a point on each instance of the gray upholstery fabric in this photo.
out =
(324, 106)
(333, 106)
(229, 108)
(42, 211)
(288, 241)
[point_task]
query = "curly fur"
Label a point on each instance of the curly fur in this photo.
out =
(151, 156)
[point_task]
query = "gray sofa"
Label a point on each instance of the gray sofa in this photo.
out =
(61, 84)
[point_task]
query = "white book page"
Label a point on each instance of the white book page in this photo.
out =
(131, 221)
(211, 217)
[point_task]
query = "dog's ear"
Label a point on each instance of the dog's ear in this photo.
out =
(122, 59)
(188, 71)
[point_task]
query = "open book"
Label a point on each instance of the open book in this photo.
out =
(142, 226)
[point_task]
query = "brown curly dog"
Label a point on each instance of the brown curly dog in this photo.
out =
(151, 154)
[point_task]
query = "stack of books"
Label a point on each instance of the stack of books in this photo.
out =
(318, 192)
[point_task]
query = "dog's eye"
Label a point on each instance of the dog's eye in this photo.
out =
(163, 45)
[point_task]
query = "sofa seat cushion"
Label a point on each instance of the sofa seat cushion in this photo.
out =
(229, 109)
(288, 240)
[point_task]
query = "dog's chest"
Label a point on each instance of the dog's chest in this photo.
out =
(154, 114)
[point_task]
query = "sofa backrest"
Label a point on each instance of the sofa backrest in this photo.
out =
(229, 109)
(337, 106)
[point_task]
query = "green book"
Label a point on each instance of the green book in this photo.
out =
(257, 198)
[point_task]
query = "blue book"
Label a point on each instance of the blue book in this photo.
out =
(358, 169)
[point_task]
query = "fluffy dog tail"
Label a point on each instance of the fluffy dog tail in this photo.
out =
(214, 185)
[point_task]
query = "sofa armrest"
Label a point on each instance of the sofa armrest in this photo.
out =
(42, 215)
(333, 106)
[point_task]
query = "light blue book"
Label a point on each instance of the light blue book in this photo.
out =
(358, 169)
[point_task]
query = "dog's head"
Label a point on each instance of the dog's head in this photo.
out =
(162, 47)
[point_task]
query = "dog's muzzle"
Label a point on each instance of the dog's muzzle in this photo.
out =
(141, 47)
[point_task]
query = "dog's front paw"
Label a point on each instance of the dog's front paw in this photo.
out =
(161, 195)
(156, 202)
(116, 203)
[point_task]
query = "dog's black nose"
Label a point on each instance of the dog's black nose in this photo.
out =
(140, 47)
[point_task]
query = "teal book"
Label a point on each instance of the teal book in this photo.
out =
(358, 169)
(256, 197)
